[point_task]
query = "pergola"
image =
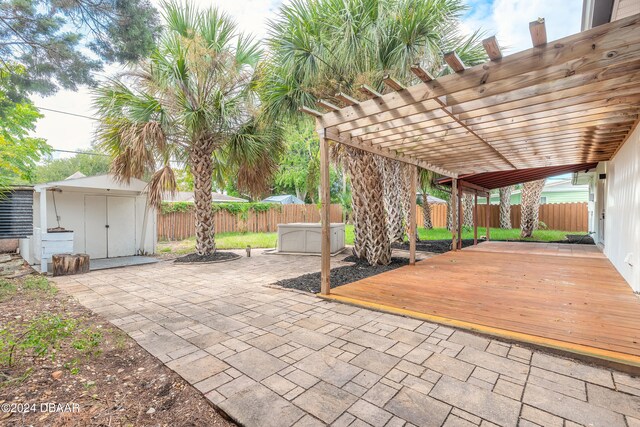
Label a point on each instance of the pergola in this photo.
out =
(562, 105)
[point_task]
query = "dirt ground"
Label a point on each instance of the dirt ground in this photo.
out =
(62, 365)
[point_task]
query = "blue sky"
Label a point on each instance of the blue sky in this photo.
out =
(507, 19)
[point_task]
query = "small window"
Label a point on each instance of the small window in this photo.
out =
(543, 200)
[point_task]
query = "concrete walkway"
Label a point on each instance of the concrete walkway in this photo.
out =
(271, 357)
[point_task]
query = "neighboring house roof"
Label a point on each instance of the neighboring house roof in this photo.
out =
(96, 182)
(285, 199)
(76, 175)
(187, 196)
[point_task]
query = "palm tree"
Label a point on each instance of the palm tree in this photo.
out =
(322, 47)
(193, 102)
(505, 206)
(393, 201)
(530, 205)
(426, 179)
(467, 210)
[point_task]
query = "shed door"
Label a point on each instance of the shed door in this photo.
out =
(121, 219)
(95, 230)
(110, 226)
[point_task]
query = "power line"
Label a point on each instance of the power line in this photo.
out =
(80, 152)
(66, 112)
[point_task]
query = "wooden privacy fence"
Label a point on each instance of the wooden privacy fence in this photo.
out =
(556, 216)
(181, 225)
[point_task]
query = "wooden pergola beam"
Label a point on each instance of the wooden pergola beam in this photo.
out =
(369, 91)
(420, 115)
(347, 140)
(421, 73)
(346, 99)
(492, 48)
(538, 32)
(473, 132)
(454, 62)
(518, 70)
(490, 112)
(392, 83)
(311, 112)
(585, 123)
(323, 103)
(472, 186)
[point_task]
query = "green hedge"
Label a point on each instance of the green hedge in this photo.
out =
(236, 208)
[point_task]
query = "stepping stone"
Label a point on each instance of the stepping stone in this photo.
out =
(418, 408)
(259, 406)
(325, 401)
(478, 401)
(256, 363)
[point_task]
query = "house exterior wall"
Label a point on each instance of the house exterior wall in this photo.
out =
(624, 8)
(622, 210)
(71, 212)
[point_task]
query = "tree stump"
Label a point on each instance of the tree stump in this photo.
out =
(67, 264)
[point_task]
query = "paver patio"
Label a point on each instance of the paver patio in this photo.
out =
(272, 357)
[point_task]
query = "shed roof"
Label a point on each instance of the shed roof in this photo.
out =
(573, 101)
(96, 182)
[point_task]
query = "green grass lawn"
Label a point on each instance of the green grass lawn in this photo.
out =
(268, 240)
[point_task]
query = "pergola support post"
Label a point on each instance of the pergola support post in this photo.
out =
(413, 230)
(325, 218)
(454, 214)
(475, 218)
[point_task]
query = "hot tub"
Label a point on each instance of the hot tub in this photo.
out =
(305, 238)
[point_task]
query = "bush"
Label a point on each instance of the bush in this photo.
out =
(235, 208)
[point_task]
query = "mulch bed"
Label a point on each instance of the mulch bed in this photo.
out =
(360, 269)
(115, 383)
(433, 246)
(218, 256)
(581, 239)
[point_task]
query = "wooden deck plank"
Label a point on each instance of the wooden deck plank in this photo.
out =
(568, 295)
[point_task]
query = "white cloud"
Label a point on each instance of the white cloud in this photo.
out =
(509, 20)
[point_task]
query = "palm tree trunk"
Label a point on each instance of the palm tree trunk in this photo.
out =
(467, 210)
(406, 197)
(393, 203)
(358, 202)
(370, 224)
(202, 170)
(505, 207)
(426, 211)
(530, 205)
(450, 211)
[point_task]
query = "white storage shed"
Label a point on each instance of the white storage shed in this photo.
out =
(102, 217)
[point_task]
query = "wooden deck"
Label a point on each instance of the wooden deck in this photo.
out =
(565, 297)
